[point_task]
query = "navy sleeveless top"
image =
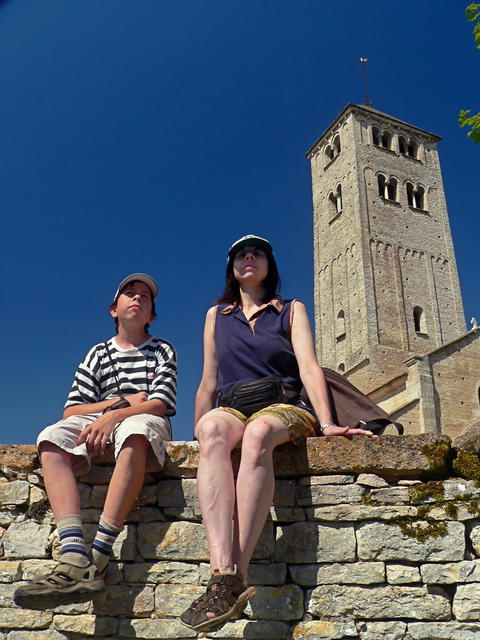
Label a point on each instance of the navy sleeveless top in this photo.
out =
(246, 353)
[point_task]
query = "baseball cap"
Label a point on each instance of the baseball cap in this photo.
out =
(142, 277)
(246, 240)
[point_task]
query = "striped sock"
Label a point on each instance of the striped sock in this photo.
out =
(72, 543)
(102, 545)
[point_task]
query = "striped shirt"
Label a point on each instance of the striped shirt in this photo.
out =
(149, 367)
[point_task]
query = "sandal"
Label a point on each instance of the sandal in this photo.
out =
(66, 584)
(226, 597)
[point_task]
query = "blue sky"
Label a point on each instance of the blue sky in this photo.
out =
(147, 135)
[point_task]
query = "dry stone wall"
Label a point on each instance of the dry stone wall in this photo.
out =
(366, 540)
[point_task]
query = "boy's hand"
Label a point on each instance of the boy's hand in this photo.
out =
(137, 398)
(97, 433)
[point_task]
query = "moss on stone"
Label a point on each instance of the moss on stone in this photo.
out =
(438, 455)
(451, 509)
(435, 490)
(467, 464)
(421, 531)
(473, 507)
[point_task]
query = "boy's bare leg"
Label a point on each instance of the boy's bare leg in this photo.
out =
(127, 480)
(60, 482)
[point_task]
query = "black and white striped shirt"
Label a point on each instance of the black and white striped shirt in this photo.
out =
(150, 367)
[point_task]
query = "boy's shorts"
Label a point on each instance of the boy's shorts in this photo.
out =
(299, 422)
(64, 434)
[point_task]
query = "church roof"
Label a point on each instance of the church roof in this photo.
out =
(371, 112)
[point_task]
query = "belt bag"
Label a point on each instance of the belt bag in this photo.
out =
(249, 397)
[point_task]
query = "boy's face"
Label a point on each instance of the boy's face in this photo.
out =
(134, 304)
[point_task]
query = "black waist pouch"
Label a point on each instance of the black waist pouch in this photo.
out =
(249, 397)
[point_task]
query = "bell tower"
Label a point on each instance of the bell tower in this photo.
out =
(386, 280)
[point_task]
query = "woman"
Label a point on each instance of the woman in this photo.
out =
(252, 335)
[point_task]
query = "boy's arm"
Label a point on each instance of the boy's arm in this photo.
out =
(97, 433)
(98, 407)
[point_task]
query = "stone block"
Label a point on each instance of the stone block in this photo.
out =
(24, 619)
(154, 629)
(124, 600)
(459, 489)
(26, 540)
(466, 602)
(32, 568)
(444, 630)
(402, 574)
(356, 512)
(266, 543)
(382, 630)
(284, 495)
(98, 474)
(48, 634)
(475, 538)
(308, 495)
(86, 624)
(16, 492)
(451, 572)
(287, 514)
(124, 547)
(159, 572)
(145, 514)
(22, 457)
(7, 516)
(311, 575)
(10, 571)
(171, 600)
(379, 541)
(306, 542)
(331, 479)
(6, 595)
(390, 495)
(276, 603)
(252, 630)
(183, 513)
(181, 541)
(371, 480)
(178, 493)
(378, 603)
(328, 629)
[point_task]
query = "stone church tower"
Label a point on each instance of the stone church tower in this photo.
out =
(386, 281)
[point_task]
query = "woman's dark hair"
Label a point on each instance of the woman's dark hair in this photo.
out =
(154, 313)
(271, 284)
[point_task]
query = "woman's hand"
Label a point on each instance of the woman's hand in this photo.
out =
(335, 430)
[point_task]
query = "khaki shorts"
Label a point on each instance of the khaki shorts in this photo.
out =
(64, 434)
(299, 422)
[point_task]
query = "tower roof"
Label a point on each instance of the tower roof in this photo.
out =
(370, 111)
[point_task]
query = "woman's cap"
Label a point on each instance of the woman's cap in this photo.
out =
(246, 240)
(142, 277)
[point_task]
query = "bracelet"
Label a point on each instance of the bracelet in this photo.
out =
(326, 425)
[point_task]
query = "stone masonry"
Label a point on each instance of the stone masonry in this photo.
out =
(366, 540)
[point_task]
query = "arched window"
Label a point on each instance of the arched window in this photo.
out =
(341, 367)
(336, 146)
(419, 320)
(376, 135)
(340, 325)
(381, 185)
(410, 194)
(412, 149)
(419, 198)
(392, 189)
(402, 144)
(387, 140)
(328, 154)
(339, 198)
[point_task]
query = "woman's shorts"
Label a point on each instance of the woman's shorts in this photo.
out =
(64, 434)
(299, 422)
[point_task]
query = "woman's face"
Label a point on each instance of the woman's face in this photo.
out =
(250, 264)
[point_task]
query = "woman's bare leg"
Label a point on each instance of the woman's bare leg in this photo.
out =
(218, 432)
(255, 484)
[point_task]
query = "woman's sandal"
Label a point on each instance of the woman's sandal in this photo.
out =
(226, 597)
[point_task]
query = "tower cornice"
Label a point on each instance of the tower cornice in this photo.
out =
(371, 113)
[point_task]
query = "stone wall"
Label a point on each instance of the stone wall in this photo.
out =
(367, 539)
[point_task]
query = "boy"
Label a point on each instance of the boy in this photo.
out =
(123, 392)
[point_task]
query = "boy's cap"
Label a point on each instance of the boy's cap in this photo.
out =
(142, 277)
(246, 240)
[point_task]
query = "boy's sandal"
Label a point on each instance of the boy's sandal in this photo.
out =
(66, 584)
(226, 597)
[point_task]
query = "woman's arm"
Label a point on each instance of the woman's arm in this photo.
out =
(312, 375)
(206, 393)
